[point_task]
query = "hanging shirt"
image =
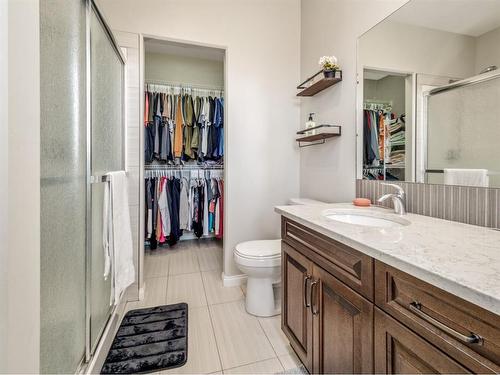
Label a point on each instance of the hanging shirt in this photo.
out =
(184, 205)
(178, 130)
(146, 107)
(163, 206)
(217, 218)
(149, 209)
(204, 128)
(188, 126)
(159, 226)
(205, 207)
(220, 232)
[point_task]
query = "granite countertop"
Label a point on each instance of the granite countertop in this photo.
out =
(459, 258)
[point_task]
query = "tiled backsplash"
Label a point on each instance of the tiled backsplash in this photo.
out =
(471, 205)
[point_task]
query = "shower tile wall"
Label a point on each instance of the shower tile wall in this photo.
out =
(471, 205)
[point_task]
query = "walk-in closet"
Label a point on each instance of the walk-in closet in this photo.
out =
(183, 140)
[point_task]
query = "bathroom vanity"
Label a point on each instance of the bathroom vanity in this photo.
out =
(419, 295)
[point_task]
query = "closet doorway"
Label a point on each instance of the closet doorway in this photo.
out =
(183, 160)
(388, 129)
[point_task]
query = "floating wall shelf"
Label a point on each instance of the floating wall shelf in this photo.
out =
(315, 84)
(324, 132)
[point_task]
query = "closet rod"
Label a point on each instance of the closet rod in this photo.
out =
(178, 85)
(182, 167)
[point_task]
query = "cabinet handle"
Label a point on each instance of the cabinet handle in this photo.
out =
(313, 284)
(306, 279)
(473, 338)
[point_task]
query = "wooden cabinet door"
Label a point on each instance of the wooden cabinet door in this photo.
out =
(400, 351)
(296, 317)
(343, 327)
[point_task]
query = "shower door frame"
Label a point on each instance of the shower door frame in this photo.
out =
(91, 6)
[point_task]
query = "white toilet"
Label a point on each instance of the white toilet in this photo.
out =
(261, 262)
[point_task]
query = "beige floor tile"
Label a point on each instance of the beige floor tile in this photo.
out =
(270, 366)
(203, 357)
(183, 261)
(186, 288)
(210, 258)
(216, 292)
(272, 329)
(155, 294)
(240, 338)
(156, 265)
(290, 361)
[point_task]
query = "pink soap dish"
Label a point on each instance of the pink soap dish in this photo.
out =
(362, 202)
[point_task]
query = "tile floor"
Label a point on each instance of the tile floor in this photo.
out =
(222, 337)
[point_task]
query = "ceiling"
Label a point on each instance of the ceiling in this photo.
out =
(183, 49)
(467, 17)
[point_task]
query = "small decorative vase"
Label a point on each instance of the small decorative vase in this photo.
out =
(329, 73)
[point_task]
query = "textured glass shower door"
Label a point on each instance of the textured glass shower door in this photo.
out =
(63, 185)
(81, 90)
(106, 156)
(463, 129)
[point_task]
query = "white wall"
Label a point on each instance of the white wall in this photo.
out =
(4, 169)
(327, 172)
(129, 43)
(488, 50)
(183, 69)
(418, 50)
(262, 38)
(390, 88)
(23, 263)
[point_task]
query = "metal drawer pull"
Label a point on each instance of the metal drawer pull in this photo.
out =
(416, 307)
(306, 279)
(313, 284)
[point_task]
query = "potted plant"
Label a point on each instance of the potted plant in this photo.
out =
(329, 65)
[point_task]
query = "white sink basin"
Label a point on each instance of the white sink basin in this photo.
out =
(372, 219)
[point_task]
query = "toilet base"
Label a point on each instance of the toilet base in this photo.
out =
(260, 297)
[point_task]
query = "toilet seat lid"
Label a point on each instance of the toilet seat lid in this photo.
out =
(259, 249)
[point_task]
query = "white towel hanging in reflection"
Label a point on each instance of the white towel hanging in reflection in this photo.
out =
(466, 177)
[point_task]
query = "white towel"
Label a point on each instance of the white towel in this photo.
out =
(466, 177)
(117, 236)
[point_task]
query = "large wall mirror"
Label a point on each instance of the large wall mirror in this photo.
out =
(429, 94)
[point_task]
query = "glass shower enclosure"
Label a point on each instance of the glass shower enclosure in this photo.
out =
(462, 127)
(82, 111)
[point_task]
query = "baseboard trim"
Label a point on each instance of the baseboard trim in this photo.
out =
(235, 280)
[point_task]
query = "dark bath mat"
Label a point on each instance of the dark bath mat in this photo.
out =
(149, 340)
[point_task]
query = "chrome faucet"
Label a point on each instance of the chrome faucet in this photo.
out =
(398, 199)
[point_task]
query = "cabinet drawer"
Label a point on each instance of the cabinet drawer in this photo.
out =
(400, 351)
(353, 268)
(441, 318)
